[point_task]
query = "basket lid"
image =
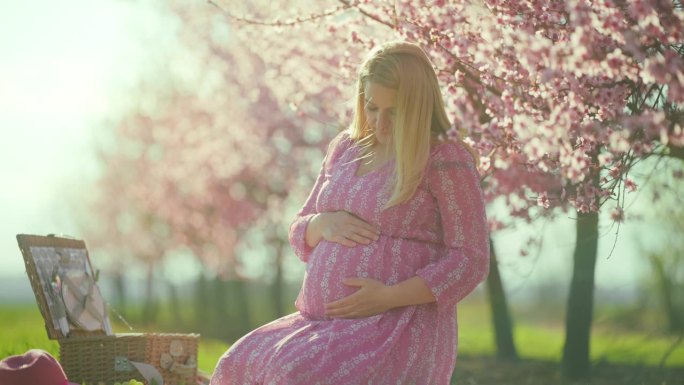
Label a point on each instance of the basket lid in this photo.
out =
(65, 286)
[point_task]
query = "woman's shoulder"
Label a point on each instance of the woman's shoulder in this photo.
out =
(444, 152)
(338, 145)
(341, 140)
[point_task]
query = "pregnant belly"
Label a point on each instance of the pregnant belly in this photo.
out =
(389, 260)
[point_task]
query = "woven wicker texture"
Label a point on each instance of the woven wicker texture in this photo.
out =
(92, 357)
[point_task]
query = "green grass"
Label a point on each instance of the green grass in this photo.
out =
(22, 328)
(544, 340)
(209, 353)
(546, 343)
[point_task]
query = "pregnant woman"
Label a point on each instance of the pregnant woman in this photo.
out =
(393, 234)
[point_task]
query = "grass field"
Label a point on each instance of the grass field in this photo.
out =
(22, 328)
(539, 345)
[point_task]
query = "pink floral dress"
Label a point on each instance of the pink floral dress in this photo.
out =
(440, 234)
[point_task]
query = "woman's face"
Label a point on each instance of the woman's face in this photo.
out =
(380, 110)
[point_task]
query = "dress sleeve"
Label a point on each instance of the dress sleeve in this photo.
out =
(297, 233)
(455, 183)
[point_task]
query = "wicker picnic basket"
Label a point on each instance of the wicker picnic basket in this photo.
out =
(66, 291)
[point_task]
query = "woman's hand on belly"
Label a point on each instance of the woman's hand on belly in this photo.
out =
(340, 227)
(372, 298)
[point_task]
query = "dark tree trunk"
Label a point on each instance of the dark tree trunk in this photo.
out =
(241, 299)
(576, 363)
(120, 290)
(174, 301)
(501, 317)
(201, 303)
(220, 307)
(150, 311)
(666, 289)
(229, 310)
(278, 282)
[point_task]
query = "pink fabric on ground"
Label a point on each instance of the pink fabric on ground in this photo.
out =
(440, 234)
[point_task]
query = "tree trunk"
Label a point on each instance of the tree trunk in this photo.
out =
(278, 282)
(666, 289)
(120, 290)
(576, 362)
(220, 308)
(503, 326)
(175, 304)
(242, 297)
(150, 310)
(201, 303)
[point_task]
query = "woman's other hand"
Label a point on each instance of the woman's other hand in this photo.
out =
(373, 297)
(340, 227)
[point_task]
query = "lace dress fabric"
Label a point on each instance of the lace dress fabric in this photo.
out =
(440, 234)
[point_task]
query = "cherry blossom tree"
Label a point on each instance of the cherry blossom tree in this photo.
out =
(202, 156)
(561, 99)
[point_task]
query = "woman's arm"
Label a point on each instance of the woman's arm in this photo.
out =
(300, 226)
(310, 226)
(298, 233)
(455, 183)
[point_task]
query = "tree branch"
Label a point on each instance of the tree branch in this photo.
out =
(278, 23)
(348, 4)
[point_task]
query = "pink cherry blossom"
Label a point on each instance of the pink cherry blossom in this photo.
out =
(618, 214)
(551, 94)
(630, 185)
(543, 200)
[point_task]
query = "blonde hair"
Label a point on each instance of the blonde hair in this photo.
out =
(420, 114)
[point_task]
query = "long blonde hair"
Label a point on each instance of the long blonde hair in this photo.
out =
(420, 114)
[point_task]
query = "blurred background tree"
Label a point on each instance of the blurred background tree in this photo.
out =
(667, 259)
